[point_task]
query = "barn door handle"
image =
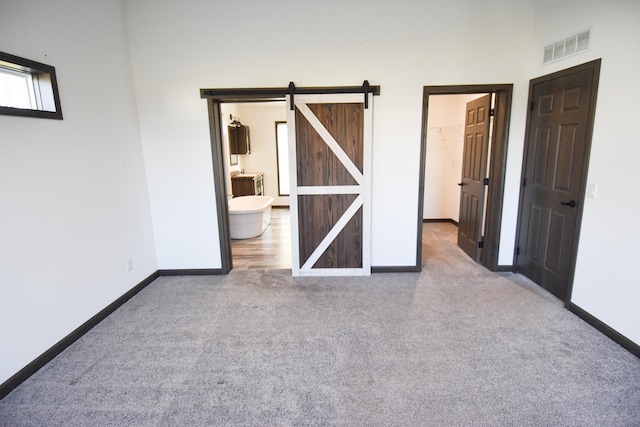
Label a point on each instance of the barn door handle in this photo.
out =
(571, 204)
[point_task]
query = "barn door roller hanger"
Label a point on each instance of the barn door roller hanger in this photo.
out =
(366, 89)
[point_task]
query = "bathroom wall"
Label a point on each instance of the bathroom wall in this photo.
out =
(261, 119)
(227, 110)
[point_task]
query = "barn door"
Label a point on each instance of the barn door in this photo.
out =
(474, 172)
(330, 158)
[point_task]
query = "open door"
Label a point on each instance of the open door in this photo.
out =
(562, 107)
(474, 172)
(330, 192)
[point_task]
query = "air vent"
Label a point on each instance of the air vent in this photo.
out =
(572, 45)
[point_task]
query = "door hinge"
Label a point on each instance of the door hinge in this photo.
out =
(524, 182)
(532, 106)
(492, 112)
(518, 250)
(486, 181)
(480, 245)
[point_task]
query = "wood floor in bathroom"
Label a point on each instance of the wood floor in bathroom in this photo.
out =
(271, 250)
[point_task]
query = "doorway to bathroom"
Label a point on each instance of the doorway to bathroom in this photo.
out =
(317, 108)
(252, 156)
(462, 169)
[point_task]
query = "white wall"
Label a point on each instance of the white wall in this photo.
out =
(179, 48)
(261, 118)
(605, 283)
(228, 110)
(74, 198)
(445, 144)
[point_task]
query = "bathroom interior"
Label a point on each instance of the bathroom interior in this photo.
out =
(260, 167)
(255, 147)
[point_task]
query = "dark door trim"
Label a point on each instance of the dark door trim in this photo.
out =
(496, 167)
(220, 186)
(238, 95)
(595, 66)
(214, 98)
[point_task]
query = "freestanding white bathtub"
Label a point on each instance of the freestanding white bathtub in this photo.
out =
(249, 216)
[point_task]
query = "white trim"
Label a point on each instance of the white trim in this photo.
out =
(333, 233)
(331, 98)
(366, 185)
(329, 189)
(293, 189)
(319, 272)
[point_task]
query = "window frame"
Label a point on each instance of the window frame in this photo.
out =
(44, 78)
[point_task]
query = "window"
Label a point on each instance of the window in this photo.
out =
(282, 155)
(28, 88)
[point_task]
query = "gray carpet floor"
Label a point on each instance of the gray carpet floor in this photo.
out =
(455, 345)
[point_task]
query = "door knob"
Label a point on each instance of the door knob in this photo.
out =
(461, 184)
(571, 204)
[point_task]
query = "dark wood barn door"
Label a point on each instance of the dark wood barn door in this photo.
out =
(329, 146)
(474, 172)
(554, 174)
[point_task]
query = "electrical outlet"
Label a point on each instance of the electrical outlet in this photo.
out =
(592, 190)
(130, 264)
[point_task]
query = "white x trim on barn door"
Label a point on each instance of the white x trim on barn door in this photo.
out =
(355, 218)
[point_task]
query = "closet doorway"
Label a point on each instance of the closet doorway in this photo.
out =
(452, 156)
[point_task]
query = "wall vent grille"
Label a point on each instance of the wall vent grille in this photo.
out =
(569, 46)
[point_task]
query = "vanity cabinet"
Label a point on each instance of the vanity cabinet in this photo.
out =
(239, 142)
(247, 184)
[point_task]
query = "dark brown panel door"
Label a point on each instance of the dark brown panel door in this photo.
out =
(330, 189)
(474, 171)
(556, 155)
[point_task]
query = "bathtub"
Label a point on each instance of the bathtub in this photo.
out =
(249, 216)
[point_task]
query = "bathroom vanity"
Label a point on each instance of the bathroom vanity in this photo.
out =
(247, 184)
